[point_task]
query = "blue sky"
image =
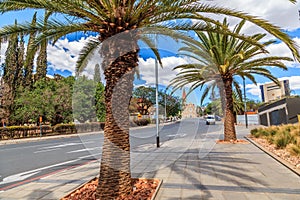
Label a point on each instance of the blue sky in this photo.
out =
(279, 12)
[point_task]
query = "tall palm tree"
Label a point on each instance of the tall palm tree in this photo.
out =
(221, 57)
(118, 25)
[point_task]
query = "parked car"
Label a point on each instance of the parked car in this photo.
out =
(210, 119)
(218, 118)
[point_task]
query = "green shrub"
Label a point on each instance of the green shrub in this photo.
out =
(142, 122)
(294, 149)
(90, 127)
(283, 138)
(64, 128)
(16, 132)
(260, 132)
(254, 132)
(273, 132)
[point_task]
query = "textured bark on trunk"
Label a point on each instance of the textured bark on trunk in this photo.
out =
(229, 129)
(115, 175)
(222, 96)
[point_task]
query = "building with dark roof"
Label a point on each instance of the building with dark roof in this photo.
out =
(283, 111)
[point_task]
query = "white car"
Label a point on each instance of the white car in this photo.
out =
(210, 119)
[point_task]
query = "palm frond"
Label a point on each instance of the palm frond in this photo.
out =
(86, 53)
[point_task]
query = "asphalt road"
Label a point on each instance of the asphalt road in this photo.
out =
(27, 161)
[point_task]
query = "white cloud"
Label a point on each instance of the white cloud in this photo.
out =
(255, 90)
(64, 54)
(279, 12)
(2, 52)
(294, 82)
(147, 69)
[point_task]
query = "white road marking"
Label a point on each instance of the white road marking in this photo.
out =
(87, 149)
(46, 150)
(18, 177)
(61, 145)
(24, 175)
(92, 155)
(66, 145)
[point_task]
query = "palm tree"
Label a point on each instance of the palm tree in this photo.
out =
(221, 57)
(118, 26)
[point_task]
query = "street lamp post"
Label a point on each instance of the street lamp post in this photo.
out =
(41, 130)
(245, 104)
(165, 105)
(156, 99)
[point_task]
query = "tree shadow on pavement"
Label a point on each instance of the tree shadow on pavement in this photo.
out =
(192, 177)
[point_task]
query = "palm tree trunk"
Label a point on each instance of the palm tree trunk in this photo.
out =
(115, 175)
(222, 97)
(229, 129)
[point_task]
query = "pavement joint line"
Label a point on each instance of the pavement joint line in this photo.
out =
(275, 157)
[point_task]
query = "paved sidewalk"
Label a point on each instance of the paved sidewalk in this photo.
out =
(204, 170)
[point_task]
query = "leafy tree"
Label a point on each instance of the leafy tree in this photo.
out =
(253, 105)
(50, 98)
(84, 100)
(214, 107)
(108, 19)
(20, 61)
(41, 63)
(99, 101)
(222, 57)
(173, 105)
(145, 99)
(133, 106)
(29, 105)
(63, 101)
(97, 75)
(6, 102)
(12, 72)
(11, 61)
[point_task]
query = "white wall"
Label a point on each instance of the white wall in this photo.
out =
(252, 119)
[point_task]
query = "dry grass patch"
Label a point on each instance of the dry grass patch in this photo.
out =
(282, 140)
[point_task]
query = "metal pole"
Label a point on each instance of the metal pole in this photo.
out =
(245, 104)
(156, 99)
(41, 131)
(166, 105)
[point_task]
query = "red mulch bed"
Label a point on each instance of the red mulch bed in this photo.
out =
(232, 142)
(144, 189)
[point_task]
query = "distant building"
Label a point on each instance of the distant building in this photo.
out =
(271, 91)
(189, 110)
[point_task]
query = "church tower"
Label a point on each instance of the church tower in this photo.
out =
(188, 109)
(183, 97)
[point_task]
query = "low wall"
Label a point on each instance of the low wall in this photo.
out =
(252, 119)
